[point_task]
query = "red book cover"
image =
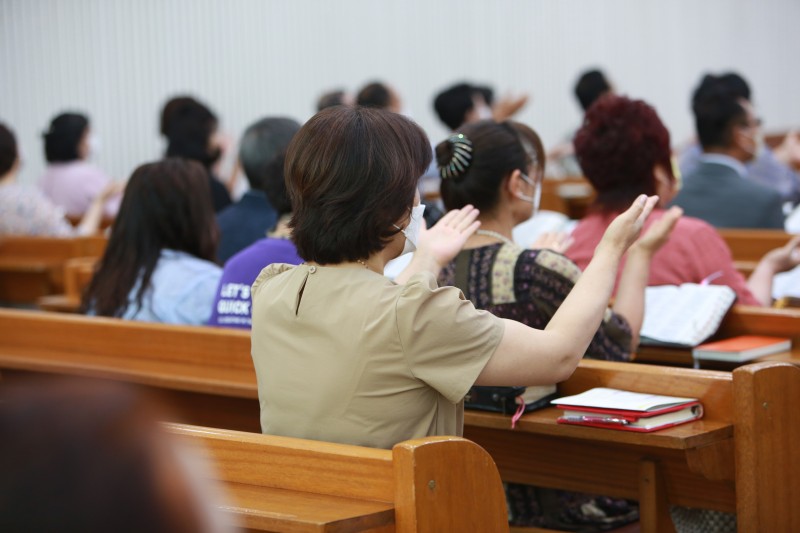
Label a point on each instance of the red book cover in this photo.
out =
(742, 348)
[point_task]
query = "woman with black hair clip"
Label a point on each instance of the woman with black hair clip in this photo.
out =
(158, 265)
(498, 167)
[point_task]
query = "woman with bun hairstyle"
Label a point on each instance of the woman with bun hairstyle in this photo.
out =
(498, 167)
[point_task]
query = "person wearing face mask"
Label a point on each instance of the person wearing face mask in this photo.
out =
(717, 189)
(192, 133)
(772, 167)
(70, 180)
(344, 354)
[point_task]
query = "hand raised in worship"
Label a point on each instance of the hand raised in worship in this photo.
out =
(446, 238)
(658, 233)
(508, 106)
(558, 241)
(784, 258)
(625, 229)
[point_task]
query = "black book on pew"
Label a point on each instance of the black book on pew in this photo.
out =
(509, 400)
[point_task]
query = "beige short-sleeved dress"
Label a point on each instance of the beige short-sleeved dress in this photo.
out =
(346, 355)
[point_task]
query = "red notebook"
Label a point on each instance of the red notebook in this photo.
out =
(627, 411)
(742, 348)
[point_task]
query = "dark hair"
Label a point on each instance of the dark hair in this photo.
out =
(375, 94)
(453, 104)
(166, 205)
(80, 455)
(8, 150)
(261, 143)
(169, 109)
(619, 144)
(351, 173)
(331, 99)
(731, 81)
(497, 150)
(717, 108)
(62, 139)
(190, 127)
(591, 85)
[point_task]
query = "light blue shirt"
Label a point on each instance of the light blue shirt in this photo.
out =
(181, 291)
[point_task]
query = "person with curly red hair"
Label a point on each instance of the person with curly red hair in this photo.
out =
(624, 151)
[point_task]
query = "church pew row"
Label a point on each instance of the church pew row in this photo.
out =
(738, 458)
(740, 320)
(274, 483)
(748, 246)
(31, 267)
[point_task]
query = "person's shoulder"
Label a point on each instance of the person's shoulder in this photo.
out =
(185, 262)
(272, 272)
(548, 262)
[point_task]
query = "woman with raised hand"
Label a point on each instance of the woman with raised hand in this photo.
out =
(344, 354)
(498, 167)
(624, 151)
(70, 180)
(158, 265)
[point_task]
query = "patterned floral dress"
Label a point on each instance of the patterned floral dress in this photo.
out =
(528, 286)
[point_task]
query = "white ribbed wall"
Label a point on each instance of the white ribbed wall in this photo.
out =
(119, 60)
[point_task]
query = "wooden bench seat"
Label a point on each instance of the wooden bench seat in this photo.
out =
(716, 463)
(31, 267)
(273, 483)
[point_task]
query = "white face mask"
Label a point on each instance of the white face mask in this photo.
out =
(93, 144)
(412, 230)
(536, 199)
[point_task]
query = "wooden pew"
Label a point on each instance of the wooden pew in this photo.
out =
(207, 376)
(740, 320)
(283, 484)
(748, 246)
(31, 267)
(570, 196)
(78, 273)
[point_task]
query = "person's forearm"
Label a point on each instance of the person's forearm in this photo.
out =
(92, 218)
(629, 302)
(581, 313)
(421, 262)
(760, 282)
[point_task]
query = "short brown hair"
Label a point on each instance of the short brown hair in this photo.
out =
(351, 173)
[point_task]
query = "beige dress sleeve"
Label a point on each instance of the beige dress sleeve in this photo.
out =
(446, 341)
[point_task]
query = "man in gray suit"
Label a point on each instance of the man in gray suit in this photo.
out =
(717, 191)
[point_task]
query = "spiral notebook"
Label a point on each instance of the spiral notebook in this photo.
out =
(684, 315)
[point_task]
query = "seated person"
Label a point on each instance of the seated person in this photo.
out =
(717, 191)
(191, 129)
(499, 168)
(343, 354)
(381, 95)
(249, 219)
(772, 168)
(624, 150)
(70, 181)
(158, 265)
(25, 211)
(232, 301)
(91, 456)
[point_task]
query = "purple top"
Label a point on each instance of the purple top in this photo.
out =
(232, 300)
(74, 185)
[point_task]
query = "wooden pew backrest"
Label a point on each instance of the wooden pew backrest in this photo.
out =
(433, 484)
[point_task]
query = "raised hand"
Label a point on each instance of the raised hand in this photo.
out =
(558, 241)
(658, 233)
(625, 229)
(447, 237)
